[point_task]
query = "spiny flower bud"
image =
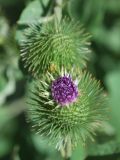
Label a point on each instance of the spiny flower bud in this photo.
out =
(54, 43)
(66, 104)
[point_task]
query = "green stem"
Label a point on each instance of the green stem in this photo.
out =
(58, 10)
(66, 149)
(58, 13)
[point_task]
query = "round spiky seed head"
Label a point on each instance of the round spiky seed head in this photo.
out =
(66, 105)
(54, 44)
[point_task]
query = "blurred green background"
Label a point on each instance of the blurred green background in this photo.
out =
(102, 19)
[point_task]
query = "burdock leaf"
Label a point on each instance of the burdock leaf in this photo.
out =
(32, 13)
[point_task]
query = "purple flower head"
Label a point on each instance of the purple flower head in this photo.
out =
(64, 90)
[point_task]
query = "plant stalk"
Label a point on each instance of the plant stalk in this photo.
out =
(58, 13)
(58, 10)
(66, 149)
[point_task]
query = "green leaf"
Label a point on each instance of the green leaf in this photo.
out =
(113, 39)
(113, 82)
(110, 144)
(32, 13)
(105, 143)
(4, 30)
(2, 82)
(86, 11)
(94, 14)
(108, 148)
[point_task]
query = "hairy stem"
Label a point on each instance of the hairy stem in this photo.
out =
(66, 149)
(58, 10)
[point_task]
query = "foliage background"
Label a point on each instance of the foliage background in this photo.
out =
(102, 20)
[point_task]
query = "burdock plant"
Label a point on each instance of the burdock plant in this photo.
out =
(65, 104)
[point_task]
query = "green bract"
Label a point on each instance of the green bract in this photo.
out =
(58, 44)
(78, 120)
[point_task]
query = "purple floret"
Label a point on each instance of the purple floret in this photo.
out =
(64, 90)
